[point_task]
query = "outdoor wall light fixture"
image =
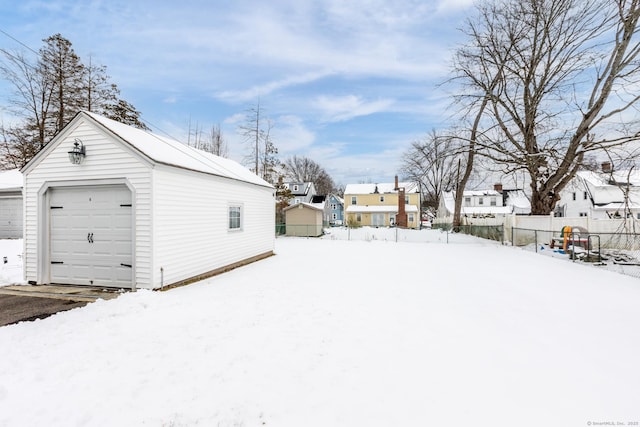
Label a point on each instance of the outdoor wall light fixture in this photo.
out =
(77, 154)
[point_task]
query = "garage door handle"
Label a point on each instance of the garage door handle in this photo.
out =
(90, 237)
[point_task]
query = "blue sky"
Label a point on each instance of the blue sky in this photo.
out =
(348, 83)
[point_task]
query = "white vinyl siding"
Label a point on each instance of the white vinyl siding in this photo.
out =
(192, 222)
(105, 160)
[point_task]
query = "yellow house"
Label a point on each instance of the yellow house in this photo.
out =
(377, 205)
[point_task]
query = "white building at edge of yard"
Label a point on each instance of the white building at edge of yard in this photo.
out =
(10, 204)
(485, 203)
(601, 194)
(139, 211)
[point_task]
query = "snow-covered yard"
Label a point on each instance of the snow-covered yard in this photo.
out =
(342, 333)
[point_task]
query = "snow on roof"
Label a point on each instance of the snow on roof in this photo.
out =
(518, 199)
(316, 206)
(380, 209)
(470, 193)
(336, 197)
(172, 152)
(11, 180)
(384, 187)
(602, 179)
(617, 206)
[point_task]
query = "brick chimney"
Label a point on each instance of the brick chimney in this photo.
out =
(497, 187)
(606, 167)
(396, 187)
(401, 217)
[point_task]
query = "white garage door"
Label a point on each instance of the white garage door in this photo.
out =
(10, 217)
(91, 236)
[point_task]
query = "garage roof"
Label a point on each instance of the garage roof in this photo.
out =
(11, 180)
(172, 152)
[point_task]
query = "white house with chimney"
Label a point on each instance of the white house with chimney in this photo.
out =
(603, 194)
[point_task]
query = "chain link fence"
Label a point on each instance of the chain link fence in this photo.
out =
(490, 232)
(618, 252)
(395, 234)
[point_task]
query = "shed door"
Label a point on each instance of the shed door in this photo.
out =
(91, 236)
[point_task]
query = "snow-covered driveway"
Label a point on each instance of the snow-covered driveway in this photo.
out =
(342, 333)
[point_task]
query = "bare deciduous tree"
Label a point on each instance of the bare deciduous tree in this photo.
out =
(256, 131)
(433, 161)
(555, 75)
(303, 169)
(50, 90)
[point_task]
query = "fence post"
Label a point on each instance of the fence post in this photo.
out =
(535, 232)
(513, 236)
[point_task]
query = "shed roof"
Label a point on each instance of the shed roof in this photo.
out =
(306, 205)
(11, 180)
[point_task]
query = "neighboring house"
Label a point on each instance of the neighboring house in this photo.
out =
(485, 203)
(303, 219)
(301, 192)
(601, 195)
(383, 204)
(138, 210)
(11, 204)
(334, 210)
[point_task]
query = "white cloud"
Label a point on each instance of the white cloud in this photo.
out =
(454, 5)
(291, 135)
(235, 119)
(342, 108)
(257, 91)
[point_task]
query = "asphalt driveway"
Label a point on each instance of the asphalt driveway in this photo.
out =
(15, 308)
(24, 303)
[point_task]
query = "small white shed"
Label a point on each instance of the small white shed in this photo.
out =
(303, 219)
(110, 205)
(10, 204)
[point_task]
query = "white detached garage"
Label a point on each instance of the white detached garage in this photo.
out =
(110, 205)
(10, 204)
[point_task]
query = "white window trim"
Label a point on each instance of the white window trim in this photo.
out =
(240, 227)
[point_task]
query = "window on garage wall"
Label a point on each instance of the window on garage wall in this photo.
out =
(235, 217)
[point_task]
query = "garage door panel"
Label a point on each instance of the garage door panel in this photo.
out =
(91, 236)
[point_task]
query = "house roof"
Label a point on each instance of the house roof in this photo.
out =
(519, 200)
(11, 180)
(167, 151)
(380, 209)
(602, 179)
(382, 188)
(303, 188)
(601, 189)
